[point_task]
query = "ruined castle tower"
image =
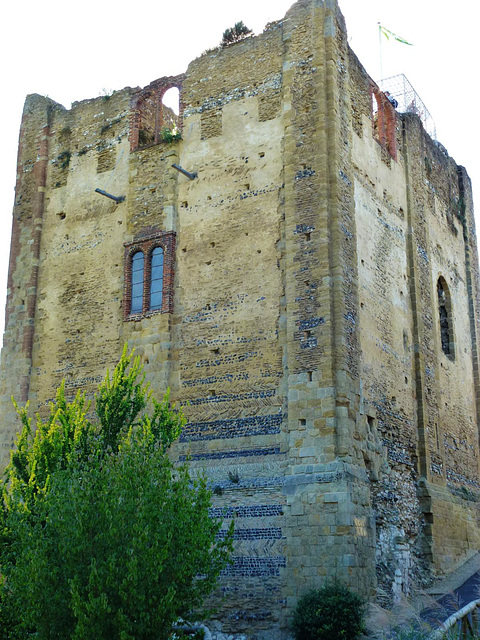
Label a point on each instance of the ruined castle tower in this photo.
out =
(309, 286)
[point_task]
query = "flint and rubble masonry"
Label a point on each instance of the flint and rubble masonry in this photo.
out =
(300, 321)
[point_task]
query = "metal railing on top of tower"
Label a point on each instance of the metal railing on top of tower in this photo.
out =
(409, 101)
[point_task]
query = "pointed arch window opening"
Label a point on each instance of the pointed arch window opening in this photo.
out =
(445, 319)
(154, 108)
(170, 108)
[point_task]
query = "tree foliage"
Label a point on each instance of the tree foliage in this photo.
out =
(102, 536)
(330, 613)
(236, 33)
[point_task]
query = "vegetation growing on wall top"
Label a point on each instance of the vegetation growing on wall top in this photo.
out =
(238, 32)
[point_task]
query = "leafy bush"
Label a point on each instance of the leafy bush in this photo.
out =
(170, 135)
(64, 159)
(101, 535)
(330, 613)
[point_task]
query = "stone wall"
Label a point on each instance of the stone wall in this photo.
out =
(414, 227)
(301, 333)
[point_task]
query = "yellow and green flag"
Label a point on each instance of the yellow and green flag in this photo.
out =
(389, 34)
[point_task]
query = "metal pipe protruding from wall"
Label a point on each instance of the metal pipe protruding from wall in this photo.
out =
(117, 199)
(192, 175)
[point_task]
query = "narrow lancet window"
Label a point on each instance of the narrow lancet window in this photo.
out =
(445, 317)
(156, 279)
(137, 282)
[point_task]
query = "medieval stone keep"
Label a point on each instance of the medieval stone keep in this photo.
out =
(307, 288)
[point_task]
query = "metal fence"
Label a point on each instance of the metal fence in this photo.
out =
(409, 101)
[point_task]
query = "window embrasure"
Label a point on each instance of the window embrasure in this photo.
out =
(149, 271)
(445, 318)
(151, 119)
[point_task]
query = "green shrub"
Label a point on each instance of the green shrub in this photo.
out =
(101, 535)
(170, 135)
(64, 159)
(330, 613)
(235, 34)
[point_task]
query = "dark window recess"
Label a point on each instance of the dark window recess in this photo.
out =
(445, 318)
(444, 330)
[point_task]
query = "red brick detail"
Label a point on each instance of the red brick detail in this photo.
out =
(26, 332)
(146, 110)
(24, 389)
(146, 244)
(15, 245)
(384, 121)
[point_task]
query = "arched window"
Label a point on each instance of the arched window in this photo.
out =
(149, 270)
(156, 279)
(154, 109)
(445, 318)
(138, 277)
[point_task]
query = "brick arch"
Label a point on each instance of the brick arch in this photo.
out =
(147, 111)
(146, 243)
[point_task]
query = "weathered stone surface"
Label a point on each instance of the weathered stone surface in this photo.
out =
(303, 336)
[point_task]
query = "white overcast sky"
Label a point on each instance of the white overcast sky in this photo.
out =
(74, 51)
